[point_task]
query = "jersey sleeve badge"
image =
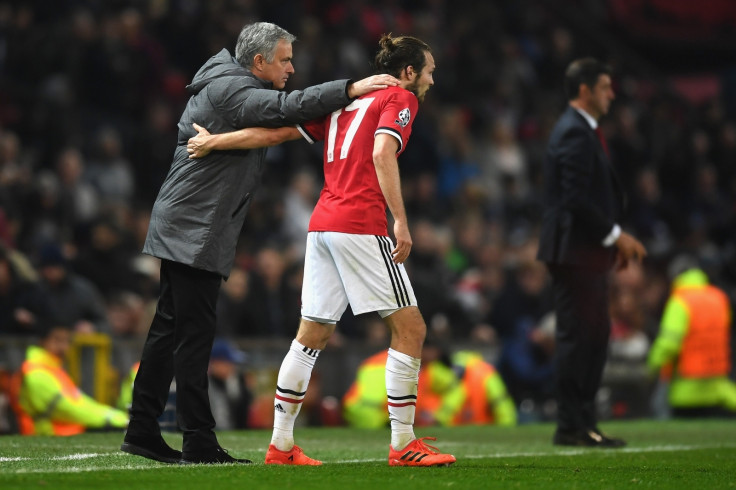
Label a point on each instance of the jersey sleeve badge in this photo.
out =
(404, 118)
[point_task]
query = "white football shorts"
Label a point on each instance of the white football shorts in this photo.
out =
(342, 269)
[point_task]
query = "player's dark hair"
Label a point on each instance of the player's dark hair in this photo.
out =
(397, 53)
(583, 71)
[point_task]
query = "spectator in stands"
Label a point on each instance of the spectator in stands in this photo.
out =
(234, 314)
(299, 199)
(524, 300)
(46, 400)
(107, 261)
(110, 173)
(628, 342)
(23, 305)
(15, 175)
(692, 350)
(79, 199)
(273, 298)
(526, 365)
(229, 393)
(73, 300)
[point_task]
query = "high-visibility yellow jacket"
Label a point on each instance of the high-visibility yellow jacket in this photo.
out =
(125, 399)
(486, 398)
(693, 344)
(49, 403)
(478, 398)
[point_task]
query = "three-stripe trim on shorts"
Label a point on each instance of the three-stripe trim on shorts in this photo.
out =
(397, 281)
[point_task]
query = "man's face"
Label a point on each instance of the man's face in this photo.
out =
(280, 69)
(53, 274)
(58, 341)
(423, 80)
(600, 96)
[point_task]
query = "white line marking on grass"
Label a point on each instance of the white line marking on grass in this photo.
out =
(569, 452)
(90, 469)
(593, 450)
(531, 454)
(68, 457)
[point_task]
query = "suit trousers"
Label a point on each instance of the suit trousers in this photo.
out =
(178, 346)
(583, 327)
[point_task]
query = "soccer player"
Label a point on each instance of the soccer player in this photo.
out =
(350, 258)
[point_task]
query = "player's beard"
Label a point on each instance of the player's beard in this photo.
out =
(414, 88)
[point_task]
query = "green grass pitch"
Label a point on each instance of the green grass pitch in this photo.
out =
(689, 455)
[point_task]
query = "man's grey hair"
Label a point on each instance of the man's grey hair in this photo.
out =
(260, 38)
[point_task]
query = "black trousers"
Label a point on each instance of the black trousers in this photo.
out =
(178, 346)
(582, 332)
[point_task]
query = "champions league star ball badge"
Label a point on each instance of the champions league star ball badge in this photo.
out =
(404, 118)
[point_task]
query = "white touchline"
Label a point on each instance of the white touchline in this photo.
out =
(563, 452)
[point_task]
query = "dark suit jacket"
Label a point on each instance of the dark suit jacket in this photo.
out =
(583, 197)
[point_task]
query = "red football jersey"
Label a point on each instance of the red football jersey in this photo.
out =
(351, 200)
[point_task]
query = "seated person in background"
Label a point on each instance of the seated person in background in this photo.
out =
(23, 304)
(46, 400)
(692, 349)
(73, 299)
(486, 399)
(125, 397)
(526, 364)
(229, 394)
(477, 396)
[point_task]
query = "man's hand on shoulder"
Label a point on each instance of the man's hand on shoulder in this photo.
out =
(199, 145)
(370, 84)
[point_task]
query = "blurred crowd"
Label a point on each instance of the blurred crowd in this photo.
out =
(91, 91)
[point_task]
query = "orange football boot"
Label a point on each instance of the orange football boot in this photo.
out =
(417, 453)
(296, 457)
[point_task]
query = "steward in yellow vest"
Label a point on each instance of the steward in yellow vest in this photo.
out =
(48, 402)
(478, 396)
(692, 348)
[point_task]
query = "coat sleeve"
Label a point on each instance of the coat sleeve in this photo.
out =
(247, 106)
(575, 157)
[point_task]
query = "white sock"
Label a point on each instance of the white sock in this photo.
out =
(402, 378)
(291, 386)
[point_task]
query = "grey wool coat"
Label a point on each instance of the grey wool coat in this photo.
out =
(201, 207)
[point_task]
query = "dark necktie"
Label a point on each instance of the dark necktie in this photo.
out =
(603, 140)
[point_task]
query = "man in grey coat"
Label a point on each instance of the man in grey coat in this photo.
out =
(195, 224)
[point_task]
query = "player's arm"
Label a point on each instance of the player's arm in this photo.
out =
(244, 139)
(385, 147)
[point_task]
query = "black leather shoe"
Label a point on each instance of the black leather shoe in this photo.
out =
(152, 448)
(609, 441)
(214, 455)
(586, 438)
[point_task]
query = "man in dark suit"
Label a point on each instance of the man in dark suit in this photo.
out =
(580, 241)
